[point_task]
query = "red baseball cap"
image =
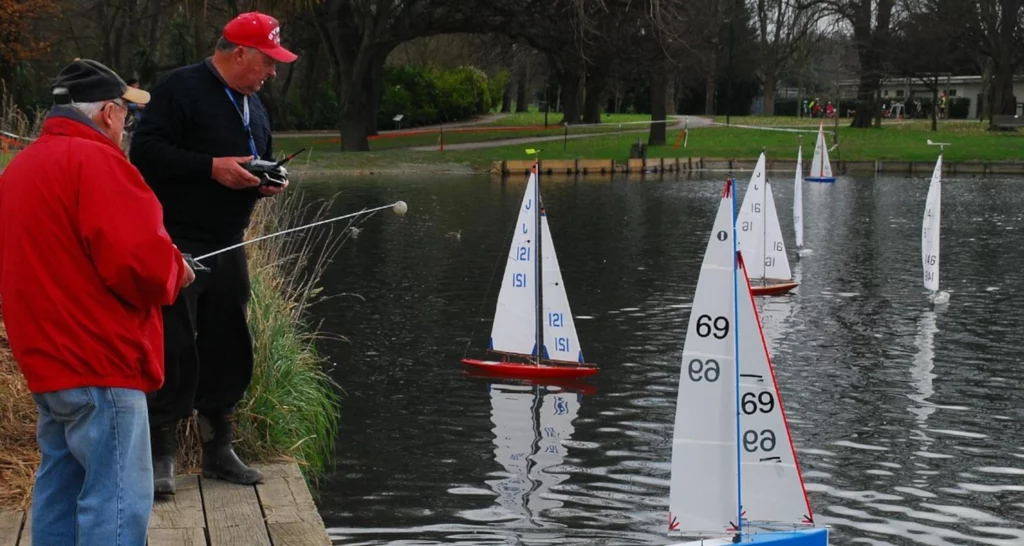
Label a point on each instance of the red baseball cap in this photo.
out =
(261, 31)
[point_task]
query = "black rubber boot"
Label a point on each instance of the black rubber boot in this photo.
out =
(164, 442)
(219, 458)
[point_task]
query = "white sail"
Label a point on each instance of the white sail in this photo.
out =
(750, 218)
(821, 167)
(776, 262)
(759, 234)
(560, 340)
(798, 199)
(930, 229)
(772, 490)
(704, 489)
(515, 323)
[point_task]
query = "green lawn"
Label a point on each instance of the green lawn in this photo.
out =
(903, 142)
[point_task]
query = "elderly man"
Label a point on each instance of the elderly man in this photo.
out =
(204, 121)
(85, 267)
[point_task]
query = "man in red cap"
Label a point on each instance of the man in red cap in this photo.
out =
(202, 123)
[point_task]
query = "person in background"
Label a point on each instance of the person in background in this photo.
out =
(85, 266)
(203, 122)
(135, 109)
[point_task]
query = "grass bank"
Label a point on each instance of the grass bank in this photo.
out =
(292, 407)
(895, 140)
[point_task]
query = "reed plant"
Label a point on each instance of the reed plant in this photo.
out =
(17, 127)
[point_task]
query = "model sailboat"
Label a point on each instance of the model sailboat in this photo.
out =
(735, 475)
(798, 204)
(930, 236)
(532, 321)
(759, 237)
(821, 167)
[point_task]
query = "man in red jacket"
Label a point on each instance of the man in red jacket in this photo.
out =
(85, 266)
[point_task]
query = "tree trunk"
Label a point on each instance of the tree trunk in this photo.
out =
(769, 95)
(522, 103)
(986, 91)
(570, 82)
(670, 97)
(596, 85)
(506, 99)
(358, 92)
(867, 107)
(1002, 87)
(198, 17)
(376, 84)
(659, 94)
(709, 95)
(935, 107)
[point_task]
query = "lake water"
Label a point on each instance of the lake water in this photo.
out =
(907, 421)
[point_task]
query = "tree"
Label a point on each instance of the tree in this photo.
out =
(996, 26)
(785, 35)
(930, 44)
(18, 40)
(871, 22)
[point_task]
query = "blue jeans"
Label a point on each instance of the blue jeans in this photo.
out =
(94, 485)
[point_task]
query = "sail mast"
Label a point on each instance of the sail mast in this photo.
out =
(764, 226)
(539, 282)
(736, 377)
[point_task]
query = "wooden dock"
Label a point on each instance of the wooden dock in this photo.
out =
(278, 512)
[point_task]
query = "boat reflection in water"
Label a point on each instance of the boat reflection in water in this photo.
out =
(532, 422)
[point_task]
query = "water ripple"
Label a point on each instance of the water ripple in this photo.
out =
(907, 420)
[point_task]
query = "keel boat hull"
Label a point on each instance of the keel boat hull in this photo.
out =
(773, 289)
(805, 537)
(529, 370)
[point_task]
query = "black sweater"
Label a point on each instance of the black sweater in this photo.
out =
(189, 121)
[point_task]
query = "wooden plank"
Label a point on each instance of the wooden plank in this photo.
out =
(10, 527)
(291, 515)
(518, 166)
(183, 510)
(298, 534)
(233, 515)
(177, 537)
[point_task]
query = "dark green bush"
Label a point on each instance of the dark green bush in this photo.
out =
(426, 96)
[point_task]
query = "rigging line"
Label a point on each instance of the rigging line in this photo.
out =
(480, 307)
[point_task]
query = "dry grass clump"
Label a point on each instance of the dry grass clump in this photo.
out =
(19, 455)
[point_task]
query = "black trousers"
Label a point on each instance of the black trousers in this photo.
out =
(208, 357)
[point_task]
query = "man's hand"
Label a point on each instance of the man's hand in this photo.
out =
(229, 172)
(269, 189)
(189, 274)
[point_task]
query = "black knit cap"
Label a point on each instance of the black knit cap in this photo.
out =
(85, 80)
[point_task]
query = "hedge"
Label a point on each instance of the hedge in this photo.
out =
(426, 96)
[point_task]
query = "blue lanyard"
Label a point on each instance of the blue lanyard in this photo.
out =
(245, 120)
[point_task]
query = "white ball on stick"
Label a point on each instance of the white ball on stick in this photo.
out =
(400, 208)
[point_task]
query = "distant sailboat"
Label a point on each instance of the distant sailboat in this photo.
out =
(821, 167)
(930, 236)
(534, 326)
(735, 474)
(798, 204)
(759, 236)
